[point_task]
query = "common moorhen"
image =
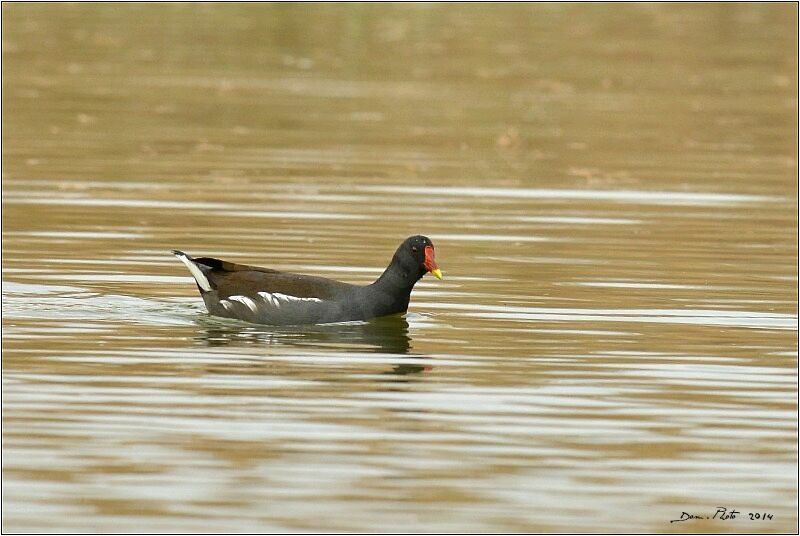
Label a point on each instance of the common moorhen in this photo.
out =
(266, 296)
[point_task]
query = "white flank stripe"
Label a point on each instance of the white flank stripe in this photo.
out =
(269, 299)
(197, 273)
(245, 300)
(226, 304)
(293, 298)
(275, 298)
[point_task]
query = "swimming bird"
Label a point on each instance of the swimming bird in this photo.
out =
(267, 296)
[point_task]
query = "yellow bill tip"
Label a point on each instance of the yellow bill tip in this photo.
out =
(437, 273)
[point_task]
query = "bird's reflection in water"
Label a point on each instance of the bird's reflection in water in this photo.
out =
(385, 335)
(403, 369)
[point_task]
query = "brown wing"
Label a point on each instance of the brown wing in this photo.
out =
(230, 279)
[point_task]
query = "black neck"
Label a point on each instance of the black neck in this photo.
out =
(399, 277)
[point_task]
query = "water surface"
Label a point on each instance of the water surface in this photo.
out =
(613, 198)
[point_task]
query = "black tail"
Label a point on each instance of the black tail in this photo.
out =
(201, 278)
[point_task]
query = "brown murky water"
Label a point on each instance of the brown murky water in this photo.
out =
(612, 192)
